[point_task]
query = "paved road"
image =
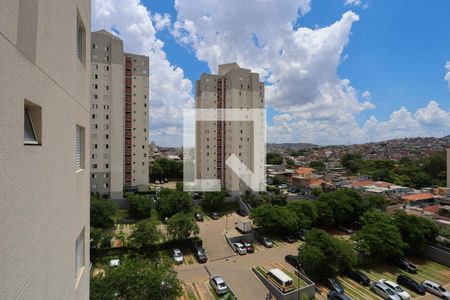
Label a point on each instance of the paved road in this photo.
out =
(236, 270)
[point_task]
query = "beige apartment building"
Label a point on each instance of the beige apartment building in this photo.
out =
(119, 117)
(44, 153)
(232, 88)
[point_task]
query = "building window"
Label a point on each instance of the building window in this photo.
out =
(32, 124)
(95, 86)
(94, 166)
(79, 148)
(106, 166)
(79, 254)
(80, 39)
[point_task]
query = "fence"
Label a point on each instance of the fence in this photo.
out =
(438, 254)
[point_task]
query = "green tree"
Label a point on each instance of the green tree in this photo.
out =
(415, 231)
(213, 201)
(145, 233)
(274, 159)
(352, 162)
(102, 213)
(166, 168)
(181, 225)
(137, 279)
(323, 255)
(275, 218)
(290, 162)
(171, 202)
(319, 166)
(140, 206)
(179, 186)
(339, 207)
(306, 212)
(379, 238)
(316, 192)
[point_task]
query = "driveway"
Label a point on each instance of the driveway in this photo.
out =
(212, 233)
(236, 270)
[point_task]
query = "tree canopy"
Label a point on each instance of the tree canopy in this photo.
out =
(306, 212)
(213, 201)
(379, 238)
(145, 233)
(181, 225)
(102, 213)
(274, 159)
(275, 218)
(166, 168)
(137, 279)
(140, 206)
(323, 255)
(171, 202)
(416, 231)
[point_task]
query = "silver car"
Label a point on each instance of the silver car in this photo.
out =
(436, 289)
(404, 295)
(219, 285)
(177, 256)
(240, 248)
(383, 291)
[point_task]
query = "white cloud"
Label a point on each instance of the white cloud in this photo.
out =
(299, 65)
(447, 76)
(170, 91)
(161, 21)
(428, 121)
(366, 95)
(357, 3)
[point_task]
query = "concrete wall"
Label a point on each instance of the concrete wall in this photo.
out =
(438, 254)
(309, 290)
(44, 199)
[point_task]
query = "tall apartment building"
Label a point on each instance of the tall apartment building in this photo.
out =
(119, 117)
(44, 116)
(232, 88)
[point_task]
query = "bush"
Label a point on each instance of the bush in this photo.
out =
(102, 213)
(140, 207)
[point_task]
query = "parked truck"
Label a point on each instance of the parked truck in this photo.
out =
(244, 226)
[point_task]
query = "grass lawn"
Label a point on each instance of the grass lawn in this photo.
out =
(426, 270)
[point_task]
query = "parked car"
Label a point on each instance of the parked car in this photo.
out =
(240, 248)
(157, 181)
(289, 238)
(266, 242)
(248, 246)
(404, 295)
(383, 291)
(337, 296)
(345, 229)
(200, 254)
(219, 285)
(411, 284)
(177, 256)
(215, 216)
(114, 262)
(436, 289)
(196, 195)
(359, 277)
(198, 216)
(333, 285)
(282, 186)
(293, 190)
(405, 265)
(302, 233)
(293, 261)
(166, 180)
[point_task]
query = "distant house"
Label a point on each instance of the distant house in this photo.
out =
(304, 171)
(419, 199)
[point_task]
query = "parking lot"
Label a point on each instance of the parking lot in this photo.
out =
(426, 270)
(235, 269)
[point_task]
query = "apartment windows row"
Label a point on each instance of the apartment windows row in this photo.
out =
(95, 166)
(97, 67)
(95, 47)
(96, 87)
(95, 176)
(105, 185)
(106, 146)
(95, 136)
(94, 156)
(105, 106)
(94, 116)
(95, 126)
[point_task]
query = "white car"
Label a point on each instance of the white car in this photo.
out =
(383, 291)
(219, 285)
(283, 186)
(436, 289)
(404, 295)
(240, 248)
(177, 256)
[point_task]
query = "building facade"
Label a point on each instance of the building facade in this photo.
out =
(233, 88)
(119, 118)
(44, 183)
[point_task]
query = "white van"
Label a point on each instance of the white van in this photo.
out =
(281, 280)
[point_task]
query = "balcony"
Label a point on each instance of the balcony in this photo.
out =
(127, 169)
(128, 151)
(128, 81)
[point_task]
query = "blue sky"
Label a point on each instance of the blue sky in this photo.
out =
(394, 50)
